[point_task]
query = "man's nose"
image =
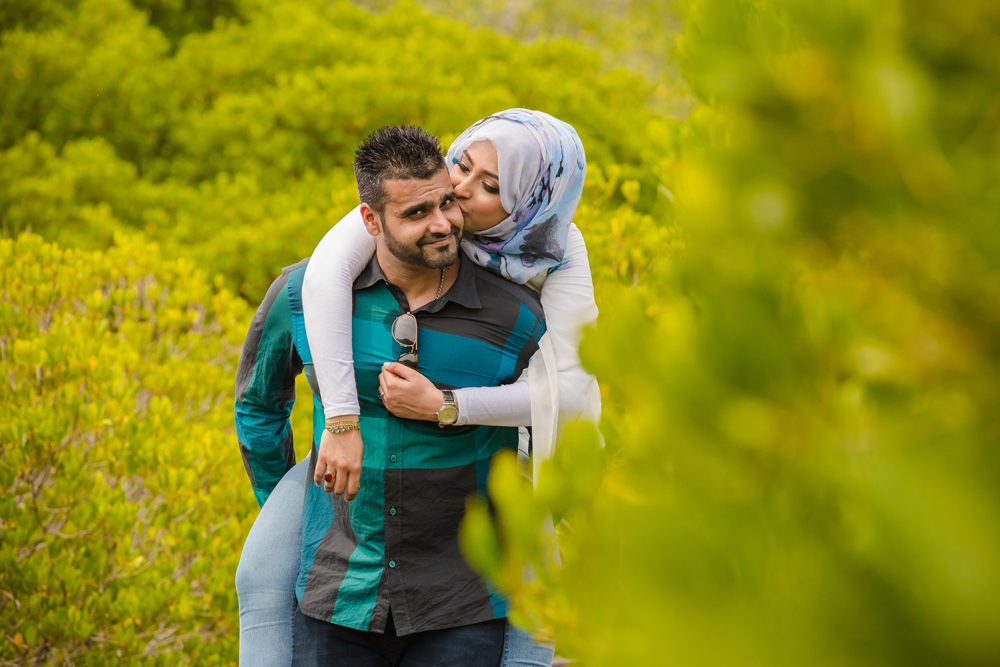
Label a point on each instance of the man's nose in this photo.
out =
(439, 223)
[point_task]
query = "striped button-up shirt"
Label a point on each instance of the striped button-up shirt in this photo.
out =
(396, 544)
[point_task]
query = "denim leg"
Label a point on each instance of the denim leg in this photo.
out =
(265, 578)
(521, 649)
(477, 645)
(322, 644)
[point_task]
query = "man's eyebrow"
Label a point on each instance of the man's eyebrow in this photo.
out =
(485, 173)
(427, 204)
(416, 208)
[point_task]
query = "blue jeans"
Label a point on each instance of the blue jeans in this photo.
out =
(320, 644)
(265, 583)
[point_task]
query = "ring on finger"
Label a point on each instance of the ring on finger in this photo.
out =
(327, 478)
(380, 395)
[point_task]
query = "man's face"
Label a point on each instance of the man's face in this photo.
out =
(422, 225)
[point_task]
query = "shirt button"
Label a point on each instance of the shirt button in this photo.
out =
(392, 563)
(392, 511)
(392, 458)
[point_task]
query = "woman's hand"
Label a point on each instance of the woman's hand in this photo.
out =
(338, 466)
(408, 394)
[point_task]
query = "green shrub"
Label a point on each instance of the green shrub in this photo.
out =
(800, 410)
(146, 147)
(123, 505)
(235, 147)
(796, 349)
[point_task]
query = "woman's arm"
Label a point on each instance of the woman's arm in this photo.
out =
(569, 305)
(408, 394)
(568, 301)
(327, 308)
(327, 289)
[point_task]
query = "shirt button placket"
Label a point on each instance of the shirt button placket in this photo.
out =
(393, 458)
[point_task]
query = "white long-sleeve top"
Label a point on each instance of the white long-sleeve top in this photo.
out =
(554, 391)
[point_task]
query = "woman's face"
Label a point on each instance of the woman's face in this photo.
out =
(477, 185)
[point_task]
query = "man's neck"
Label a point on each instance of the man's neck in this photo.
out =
(418, 284)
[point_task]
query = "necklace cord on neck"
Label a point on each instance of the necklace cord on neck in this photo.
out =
(440, 286)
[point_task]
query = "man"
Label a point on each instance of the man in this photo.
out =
(382, 580)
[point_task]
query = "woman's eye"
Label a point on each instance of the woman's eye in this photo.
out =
(492, 190)
(461, 165)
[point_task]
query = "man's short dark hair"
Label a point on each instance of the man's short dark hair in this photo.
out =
(400, 152)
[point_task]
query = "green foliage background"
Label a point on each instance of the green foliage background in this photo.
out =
(797, 348)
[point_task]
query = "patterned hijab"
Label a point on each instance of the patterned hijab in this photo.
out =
(542, 167)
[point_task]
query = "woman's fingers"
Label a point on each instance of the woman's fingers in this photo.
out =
(383, 388)
(390, 383)
(320, 469)
(325, 475)
(407, 393)
(338, 464)
(353, 486)
(323, 468)
(400, 370)
(340, 480)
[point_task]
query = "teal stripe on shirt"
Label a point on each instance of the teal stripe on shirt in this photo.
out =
(359, 590)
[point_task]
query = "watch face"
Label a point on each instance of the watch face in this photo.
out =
(448, 414)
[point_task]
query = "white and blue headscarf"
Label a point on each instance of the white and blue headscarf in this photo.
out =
(542, 168)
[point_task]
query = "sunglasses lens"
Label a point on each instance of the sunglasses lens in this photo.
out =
(404, 330)
(408, 359)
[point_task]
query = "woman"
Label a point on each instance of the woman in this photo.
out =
(518, 176)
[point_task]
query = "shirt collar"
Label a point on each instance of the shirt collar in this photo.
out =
(463, 292)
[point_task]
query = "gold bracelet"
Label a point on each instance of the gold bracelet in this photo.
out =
(343, 426)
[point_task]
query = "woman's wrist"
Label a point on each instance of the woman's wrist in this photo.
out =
(343, 424)
(435, 399)
(460, 397)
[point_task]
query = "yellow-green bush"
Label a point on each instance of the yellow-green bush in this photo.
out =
(797, 347)
(171, 156)
(802, 462)
(233, 146)
(123, 503)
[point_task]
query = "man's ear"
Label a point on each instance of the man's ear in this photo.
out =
(373, 223)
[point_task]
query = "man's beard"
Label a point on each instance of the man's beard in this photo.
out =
(419, 254)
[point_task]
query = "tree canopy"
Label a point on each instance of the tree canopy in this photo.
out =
(797, 346)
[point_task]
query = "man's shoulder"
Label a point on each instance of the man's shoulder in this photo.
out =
(280, 281)
(296, 268)
(493, 287)
(274, 312)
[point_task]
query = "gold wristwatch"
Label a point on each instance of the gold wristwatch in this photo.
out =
(448, 414)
